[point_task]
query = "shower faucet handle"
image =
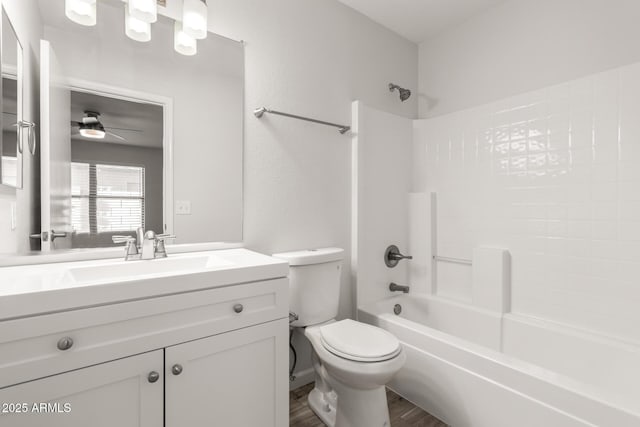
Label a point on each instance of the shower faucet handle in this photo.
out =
(392, 256)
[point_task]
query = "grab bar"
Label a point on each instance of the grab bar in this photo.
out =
(452, 260)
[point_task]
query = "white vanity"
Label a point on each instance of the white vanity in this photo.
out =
(191, 340)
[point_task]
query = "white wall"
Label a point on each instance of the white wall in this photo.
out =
(28, 26)
(311, 58)
(552, 175)
(523, 45)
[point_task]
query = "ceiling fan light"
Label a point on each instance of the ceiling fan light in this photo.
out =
(136, 29)
(195, 18)
(183, 43)
(144, 10)
(92, 133)
(81, 12)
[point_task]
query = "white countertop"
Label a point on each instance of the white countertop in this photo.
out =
(29, 290)
(85, 254)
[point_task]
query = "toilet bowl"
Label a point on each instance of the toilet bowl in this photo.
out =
(352, 361)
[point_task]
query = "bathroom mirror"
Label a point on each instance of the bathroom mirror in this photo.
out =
(10, 147)
(171, 159)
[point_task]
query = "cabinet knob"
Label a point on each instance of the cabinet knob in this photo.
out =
(238, 308)
(65, 343)
(153, 377)
(176, 369)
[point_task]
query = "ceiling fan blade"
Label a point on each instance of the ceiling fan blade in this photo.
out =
(124, 129)
(117, 136)
(75, 124)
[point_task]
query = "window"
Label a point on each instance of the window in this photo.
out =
(106, 198)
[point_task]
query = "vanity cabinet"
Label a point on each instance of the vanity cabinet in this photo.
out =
(232, 380)
(210, 357)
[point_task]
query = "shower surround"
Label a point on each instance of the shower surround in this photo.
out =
(550, 177)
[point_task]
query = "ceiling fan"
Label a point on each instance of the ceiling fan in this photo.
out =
(91, 127)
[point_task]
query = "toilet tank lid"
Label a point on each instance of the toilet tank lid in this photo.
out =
(312, 256)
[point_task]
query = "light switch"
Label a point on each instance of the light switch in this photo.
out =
(183, 207)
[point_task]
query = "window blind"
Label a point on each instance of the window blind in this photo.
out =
(106, 198)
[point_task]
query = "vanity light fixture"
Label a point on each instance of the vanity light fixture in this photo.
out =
(135, 28)
(182, 42)
(138, 17)
(144, 10)
(81, 12)
(194, 18)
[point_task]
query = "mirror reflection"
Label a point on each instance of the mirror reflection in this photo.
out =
(11, 160)
(116, 168)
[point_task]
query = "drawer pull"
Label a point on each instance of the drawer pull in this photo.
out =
(153, 377)
(176, 369)
(238, 308)
(65, 343)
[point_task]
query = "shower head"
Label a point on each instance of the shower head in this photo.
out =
(404, 93)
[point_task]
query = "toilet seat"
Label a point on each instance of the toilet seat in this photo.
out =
(359, 342)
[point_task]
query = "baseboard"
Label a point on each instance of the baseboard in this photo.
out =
(302, 378)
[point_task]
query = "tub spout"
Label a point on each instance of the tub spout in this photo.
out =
(393, 287)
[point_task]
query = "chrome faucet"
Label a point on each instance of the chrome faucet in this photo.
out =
(146, 245)
(393, 287)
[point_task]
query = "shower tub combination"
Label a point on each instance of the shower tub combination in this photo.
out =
(474, 367)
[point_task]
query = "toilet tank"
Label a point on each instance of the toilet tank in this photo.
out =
(314, 284)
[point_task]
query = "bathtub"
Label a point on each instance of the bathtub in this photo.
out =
(472, 367)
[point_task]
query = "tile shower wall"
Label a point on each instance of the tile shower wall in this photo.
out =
(553, 176)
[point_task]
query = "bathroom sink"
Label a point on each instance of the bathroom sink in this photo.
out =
(123, 270)
(46, 288)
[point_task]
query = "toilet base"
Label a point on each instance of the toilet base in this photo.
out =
(356, 408)
(324, 406)
(361, 408)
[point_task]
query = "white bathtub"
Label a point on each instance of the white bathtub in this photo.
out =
(472, 367)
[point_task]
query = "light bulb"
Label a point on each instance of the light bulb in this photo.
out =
(194, 18)
(182, 42)
(93, 133)
(136, 29)
(144, 10)
(81, 12)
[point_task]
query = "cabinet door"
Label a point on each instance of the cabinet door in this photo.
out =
(236, 379)
(117, 393)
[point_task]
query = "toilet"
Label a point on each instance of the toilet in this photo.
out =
(352, 361)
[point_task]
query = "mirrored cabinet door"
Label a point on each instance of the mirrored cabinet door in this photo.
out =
(11, 147)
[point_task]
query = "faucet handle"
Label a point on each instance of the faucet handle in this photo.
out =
(130, 245)
(122, 239)
(392, 256)
(165, 237)
(161, 250)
